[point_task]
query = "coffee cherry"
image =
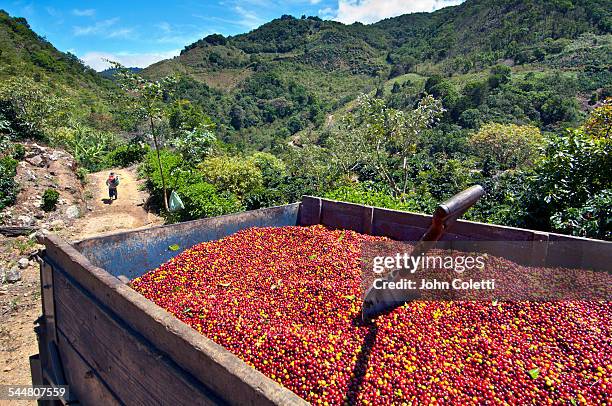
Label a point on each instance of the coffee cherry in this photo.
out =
(288, 301)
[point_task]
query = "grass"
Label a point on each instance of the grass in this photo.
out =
(24, 246)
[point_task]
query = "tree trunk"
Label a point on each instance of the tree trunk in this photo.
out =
(161, 169)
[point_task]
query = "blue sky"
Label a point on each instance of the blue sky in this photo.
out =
(138, 33)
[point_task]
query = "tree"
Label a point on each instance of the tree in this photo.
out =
(232, 173)
(509, 145)
(500, 74)
(185, 115)
(599, 124)
(273, 169)
(383, 139)
(195, 144)
(575, 173)
(146, 100)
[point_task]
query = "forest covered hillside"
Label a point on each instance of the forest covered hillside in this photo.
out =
(26, 55)
(403, 113)
(288, 74)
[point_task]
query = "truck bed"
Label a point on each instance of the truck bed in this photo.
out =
(113, 346)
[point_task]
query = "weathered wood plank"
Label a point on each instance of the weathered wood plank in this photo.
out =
(399, 225)
(128, 365)
(213, 365)
(84, 381)
(14, 231)
(48, 305)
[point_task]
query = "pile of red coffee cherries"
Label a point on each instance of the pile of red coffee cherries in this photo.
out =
(288, 302)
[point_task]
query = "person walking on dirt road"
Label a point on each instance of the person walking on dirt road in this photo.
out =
(112, 182)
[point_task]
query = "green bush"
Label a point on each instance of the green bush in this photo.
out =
(81, 174)
(18, 151)
(361, 194)
(264, 197)
(574, 170)
(231, 173)
(8, 186)
(49, 200)
(273, 169)
(90, 146)
(202, 200)
(594, 219)
(172, 164)
(126, 155)
(507, 145)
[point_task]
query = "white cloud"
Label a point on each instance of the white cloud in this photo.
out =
(90, 12)
(105, 28)
(120, 33)
(369, 11)
(327, 13)
(314, 1)
(97, 28)
(249, 19)
(97, 60)
(179, 34)
(165, 27)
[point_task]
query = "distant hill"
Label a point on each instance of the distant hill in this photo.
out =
(330, 63)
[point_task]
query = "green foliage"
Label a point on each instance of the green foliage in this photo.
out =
(144, 99)
(274, 179)
(172, 163)
(81, 174)
(593, 219)
(500, 74)
(575, 168)
(599, 124)
(28, 59)
(8, 186)
(18, 151)
(507, 146)
(361, 194)
(89, 146)
(235, 174)
(184, 115)
(195, 144)
(273, 169)
(30, 108)
(49, 199)
(440, 177)
(382, 139)
(126, 154)
(201, 199)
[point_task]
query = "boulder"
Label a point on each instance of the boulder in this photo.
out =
(30, 176)
(36, 160)
(73, 212)
(23, 263)
(13, 275)
(56, 155)
(26, 220)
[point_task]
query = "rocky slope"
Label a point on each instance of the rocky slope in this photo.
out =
(46, 168)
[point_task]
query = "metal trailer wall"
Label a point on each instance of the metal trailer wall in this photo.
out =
(113, 346)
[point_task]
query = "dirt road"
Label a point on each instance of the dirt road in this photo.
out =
(20, 303)
(125, 213)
